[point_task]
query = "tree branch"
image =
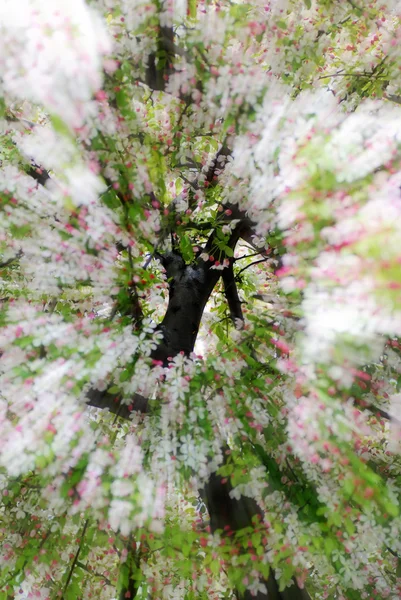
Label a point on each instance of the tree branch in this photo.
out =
(214, 166)
(356, 8)
(157, 77)
(39, 174)
(11, 260)
(103, 399)
(231, 292)
(247, 256)
(376, 411)
(133, 561)
(228, 514)
(392, 98)
(247, 233)
(94, 573)
(256, 262)
(74, 562)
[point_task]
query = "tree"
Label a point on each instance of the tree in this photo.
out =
(200, 303)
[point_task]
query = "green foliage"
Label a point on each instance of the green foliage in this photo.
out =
(289, 405)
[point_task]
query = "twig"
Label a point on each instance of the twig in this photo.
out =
(136, 309)
(29, 124)
(74, 562)
(248, 255)
(224, 151)
(392, 552)
(376, 410)
(133, 562)
(103, 399)
(85, 568)
(256, 262)
(39, 174)
(365, 75)
(148, 260)
(393, 98)
(11, 260)
(355, 6)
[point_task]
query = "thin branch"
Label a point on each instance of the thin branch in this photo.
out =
(133, 562)
(377, 411)
(85, 568)
(355, 6)
(392, 98)
(392, 552)
(247, 234)
(148, 260)
(103, 399)
(39, 174)
(365, 75)
(214, 166)
(292, 470)
(256, 262)
(51, 306)
(74, 562)
(11, 260)
(199, 226)
(248, 256)
(136, 309)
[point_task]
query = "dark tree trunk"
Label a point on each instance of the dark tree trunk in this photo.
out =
(190, 287)
(227, 513)
(189, 290)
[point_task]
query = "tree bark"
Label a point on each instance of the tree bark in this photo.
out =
(190, 287)
(229, 514)
(189, 290)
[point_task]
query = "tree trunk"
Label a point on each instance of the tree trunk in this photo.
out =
(190, 287)
(228, 513)
(189, 290)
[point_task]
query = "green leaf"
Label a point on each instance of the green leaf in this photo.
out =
(113, 390)
(122, 100)
(73, 591)
(192, 9)
(329, 545)
(186, 249)
(125, 375)
(391, 508)
(349, 526)
(123, 577)
(60, 126)
(215, 567)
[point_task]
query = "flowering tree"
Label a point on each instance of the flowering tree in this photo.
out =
(200, 299)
